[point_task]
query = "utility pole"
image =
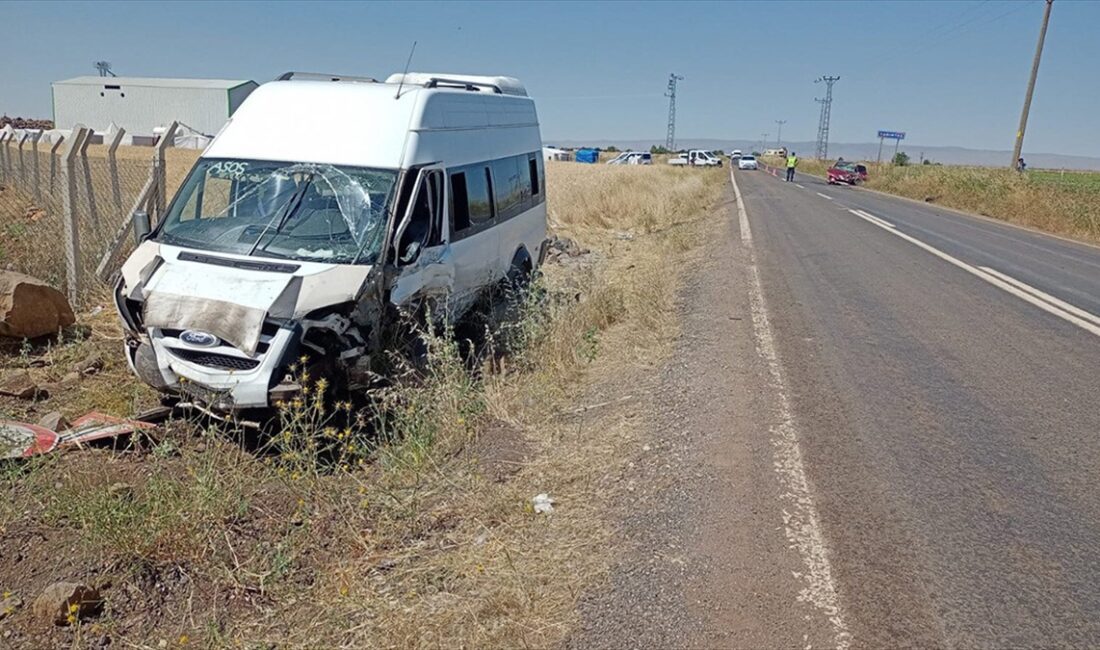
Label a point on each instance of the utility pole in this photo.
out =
(779, 137)
(1018, 149)
(826, 113)
(670, 137)
(764, 141)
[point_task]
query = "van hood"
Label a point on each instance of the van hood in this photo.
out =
(230, 296)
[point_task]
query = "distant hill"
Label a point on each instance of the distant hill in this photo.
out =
(865, 151)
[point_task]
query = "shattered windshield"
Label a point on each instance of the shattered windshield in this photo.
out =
(301, 211)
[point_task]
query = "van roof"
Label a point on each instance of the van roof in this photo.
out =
(359, 124)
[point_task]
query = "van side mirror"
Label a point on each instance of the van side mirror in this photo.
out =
(142, 225)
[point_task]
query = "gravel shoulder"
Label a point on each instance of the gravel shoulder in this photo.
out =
(703, 560)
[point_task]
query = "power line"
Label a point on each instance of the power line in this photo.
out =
(670, 137)
(826, 113)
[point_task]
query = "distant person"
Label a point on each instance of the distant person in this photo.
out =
(1021, 166)
(792, 162)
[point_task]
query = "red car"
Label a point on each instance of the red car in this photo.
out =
(847, 172)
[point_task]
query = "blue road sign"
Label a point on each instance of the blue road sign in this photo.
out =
(892, 135)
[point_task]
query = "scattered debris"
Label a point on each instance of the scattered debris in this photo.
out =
(88, 366)
(559, 246)
(54, 421)
(97, 426)
(8, 605)
(155, 415)
(19, 384)
(542, 504)
(20, 440)
(63, 603)
(121, 491)
(625, 236)
(23, 440)
(30, 308)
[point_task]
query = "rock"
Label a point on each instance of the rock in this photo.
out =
(89, 366)
(70, 379)
(54, 421)
(8, 605)
(19, 384)
(61, 600)
(30, 308)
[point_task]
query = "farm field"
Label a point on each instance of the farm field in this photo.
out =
(1066, 204)
(423, 533)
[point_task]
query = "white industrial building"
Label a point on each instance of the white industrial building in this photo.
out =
(144, 106)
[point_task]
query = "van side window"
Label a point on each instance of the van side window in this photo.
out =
(508, 189)
(460, 206)
(479, 187)
(533, 174)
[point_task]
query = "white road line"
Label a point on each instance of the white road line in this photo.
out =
(1042, 295)
(868, 215)
(800, 518)
(1089, 322)
(824, 196)
(799, 186)
(742, 216)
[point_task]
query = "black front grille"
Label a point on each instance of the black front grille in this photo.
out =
(268, 329)
(214, 360)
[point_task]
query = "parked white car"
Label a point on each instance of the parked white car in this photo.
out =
(746, 162)
(697, 158)
(422, 191)
(632, 158)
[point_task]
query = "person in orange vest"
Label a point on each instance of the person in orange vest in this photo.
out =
(792, 162)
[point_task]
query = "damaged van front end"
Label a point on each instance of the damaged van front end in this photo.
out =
(258, 273)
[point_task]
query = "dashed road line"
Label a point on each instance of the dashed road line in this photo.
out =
(824, 196)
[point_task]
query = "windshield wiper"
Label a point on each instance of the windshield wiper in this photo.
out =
(288, 209)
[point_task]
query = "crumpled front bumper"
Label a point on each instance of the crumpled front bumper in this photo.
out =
(221, 378)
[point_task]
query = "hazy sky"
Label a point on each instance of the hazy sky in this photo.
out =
(948, 73)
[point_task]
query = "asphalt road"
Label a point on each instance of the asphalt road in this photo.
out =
(944, 377)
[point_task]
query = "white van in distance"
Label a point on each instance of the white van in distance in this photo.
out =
(324, 208)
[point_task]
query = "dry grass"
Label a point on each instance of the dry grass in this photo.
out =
(1046, 201)
(410, 538)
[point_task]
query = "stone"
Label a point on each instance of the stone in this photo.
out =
(54, 421)
(18, 384)
(30, 308)
(63, 602)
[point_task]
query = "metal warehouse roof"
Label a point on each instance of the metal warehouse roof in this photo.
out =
(155, 82)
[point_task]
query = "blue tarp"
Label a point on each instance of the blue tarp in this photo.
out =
(587, 155)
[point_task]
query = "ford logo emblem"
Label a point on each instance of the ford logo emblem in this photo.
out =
(199, 339)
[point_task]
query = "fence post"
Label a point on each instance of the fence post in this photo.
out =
(112, 165)
(3, 151)
(160, 197)
(37, 173)
(88, 187)
(70, 213)
(22, 165)
(53, 160)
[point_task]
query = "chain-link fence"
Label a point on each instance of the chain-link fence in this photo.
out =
(65, 197)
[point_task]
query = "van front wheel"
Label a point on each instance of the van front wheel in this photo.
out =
(519, 273)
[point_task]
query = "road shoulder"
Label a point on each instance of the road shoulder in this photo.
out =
(704, 561)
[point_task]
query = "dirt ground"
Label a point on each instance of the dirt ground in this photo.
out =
(426, 534)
